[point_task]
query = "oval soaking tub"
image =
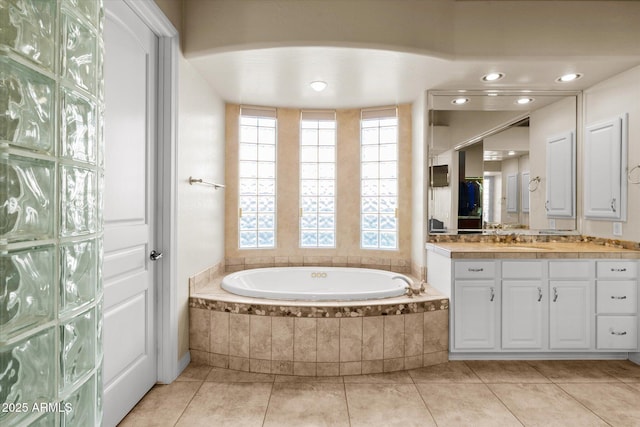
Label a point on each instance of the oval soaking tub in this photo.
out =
(316, 283)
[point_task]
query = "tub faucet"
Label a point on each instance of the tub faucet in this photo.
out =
(410, 288)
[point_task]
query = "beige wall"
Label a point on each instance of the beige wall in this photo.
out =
(606, 100)
(348, 185)
(418, 186)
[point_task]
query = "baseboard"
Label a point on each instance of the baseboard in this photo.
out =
(184, 362)
(635, 358)
(540, 356)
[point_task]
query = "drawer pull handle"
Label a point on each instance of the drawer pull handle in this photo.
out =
(613, 205)
(615, 297)
(539, 294)
(493, 294)
(619, 269)
(555, 294)
(618, 333)
(475, 270)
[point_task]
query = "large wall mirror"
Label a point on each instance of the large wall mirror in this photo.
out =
(502, 161)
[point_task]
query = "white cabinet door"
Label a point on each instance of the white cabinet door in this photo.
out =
(561, 155)
(523, 303)
(475, 315)
(604, 177)
(570, 315)
(512, 193)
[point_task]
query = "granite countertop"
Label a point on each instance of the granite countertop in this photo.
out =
(542, 250)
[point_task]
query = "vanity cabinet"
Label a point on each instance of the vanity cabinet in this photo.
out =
(476, 293)
(561, 161)
(533, 306)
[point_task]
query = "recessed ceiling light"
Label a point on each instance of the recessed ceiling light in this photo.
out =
(460, 101)
(511, 153)
(318, 85)
(492, 77)
(568, 77)
(523, 101)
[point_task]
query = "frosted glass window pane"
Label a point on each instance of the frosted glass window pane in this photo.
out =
(326, 222)
(79, 207)
(309, 204)
(327, 171)
(369, 239)
(388, 240)
(266, 187)
(388, 135)
(370, 153)
(249, 134)
(326, 204)
(391, 122)
(388, 187)
(248, 169)
(326, 239)
(266, 239)
(309, 154)
(248, 239)
(267, 153)
(369, 204)
(267, 135)
(78, 274)
(370, 136)
(78, 338)
(266, 169)
(266, 204)
(309, 187)
(369, 123)
(327, 137)
(370, 188)
(248, 204)
(265, 122)
(248, 151)
(266, 221)
(327, 188)
(309, 171)
(78, 53)
(369, 170)
(309, 239)
(326, 154)
(369, 222)
(248, 121)
(309, 137)
(388, 204)
(308, 124)
(309, 221)
(248, 221)
(78, 128)
(387, 222)
(388, 170)
(327, 124)
(248, 186)
(388, 152)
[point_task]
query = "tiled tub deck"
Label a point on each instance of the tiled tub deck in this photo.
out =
(315, 338)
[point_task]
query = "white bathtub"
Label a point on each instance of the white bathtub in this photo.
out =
(316, 283)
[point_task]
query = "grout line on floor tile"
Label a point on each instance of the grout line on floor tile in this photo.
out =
(505, 405)
(472, 371)
(424, 402)
(346, 401)
(264, 418)
(582, 404)
(189, 403)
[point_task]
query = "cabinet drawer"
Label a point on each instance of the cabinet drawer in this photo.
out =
(617, 297)
(617, 269)
(521, 269)
(568, 269)
(617, 332)
(475, 270)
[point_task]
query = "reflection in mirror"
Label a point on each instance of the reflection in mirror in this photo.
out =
(495, 151)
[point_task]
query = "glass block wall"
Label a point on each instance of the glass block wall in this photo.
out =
(51, 168)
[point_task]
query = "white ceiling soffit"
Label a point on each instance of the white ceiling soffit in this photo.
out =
(366, 77)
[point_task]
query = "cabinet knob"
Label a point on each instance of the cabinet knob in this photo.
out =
(618, 297)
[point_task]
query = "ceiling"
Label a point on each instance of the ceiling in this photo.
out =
(366, 77)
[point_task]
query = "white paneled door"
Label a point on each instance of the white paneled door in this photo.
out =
(130, 338)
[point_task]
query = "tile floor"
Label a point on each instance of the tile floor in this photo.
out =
(471, 393)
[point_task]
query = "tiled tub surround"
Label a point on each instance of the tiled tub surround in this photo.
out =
(317, 339)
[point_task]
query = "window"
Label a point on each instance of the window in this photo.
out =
(379, 179)
(257, 179)
(317, 179)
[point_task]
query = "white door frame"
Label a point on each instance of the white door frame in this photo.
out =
(166, 241)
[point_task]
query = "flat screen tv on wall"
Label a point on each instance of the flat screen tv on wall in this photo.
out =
(439, 175)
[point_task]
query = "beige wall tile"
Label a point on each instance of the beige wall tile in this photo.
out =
(234, 261)
(260, 337)
(239, 335)
(372, 338)
(350, 368)
(282, 338)
(413, 334)
(296, 261)
(262, 261)
(307, 369)
(199, 327)
(328, 340)
(304, 340)
(281, 261)
(219, 360)
(219, 332)
(392, 365)
(351, 339)
(354, 261)
(198, 356)
(321, 261)
(233, 268)
(372, 366)
(239, 363)
(393, 337)
(260, 365)
(339, 261)
(436, 331)
(329, 369)
(281, 367)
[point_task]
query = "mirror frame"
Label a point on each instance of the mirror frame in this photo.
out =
(429, 143)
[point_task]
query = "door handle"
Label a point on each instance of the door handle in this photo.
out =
(155, 255)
